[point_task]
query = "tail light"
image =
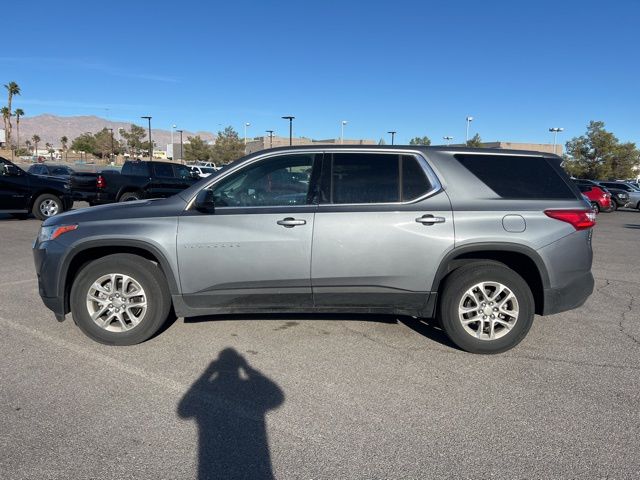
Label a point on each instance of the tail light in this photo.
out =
(579, 219)
(100, 182)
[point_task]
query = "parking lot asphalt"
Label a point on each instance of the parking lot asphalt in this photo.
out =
(323, 397)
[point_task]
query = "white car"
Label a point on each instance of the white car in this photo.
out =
(203, 171)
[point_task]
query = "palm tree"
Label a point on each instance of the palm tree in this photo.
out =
(6, 113)
(49, 148)
(18, 113)
(36, 139)
(64, 140)
(12, 89)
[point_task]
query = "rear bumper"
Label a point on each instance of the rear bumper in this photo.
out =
(569, 296)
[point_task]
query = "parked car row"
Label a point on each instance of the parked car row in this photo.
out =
(608, 196)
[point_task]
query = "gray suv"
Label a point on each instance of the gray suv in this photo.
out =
(480, 239)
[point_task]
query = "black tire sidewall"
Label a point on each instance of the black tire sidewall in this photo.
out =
(130, 197)
(41, 198)
(144, 272)
(464, 278)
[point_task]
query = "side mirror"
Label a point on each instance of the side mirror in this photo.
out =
(204, 201)
(194, 175)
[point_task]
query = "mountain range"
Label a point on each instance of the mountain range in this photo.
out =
(51, 127)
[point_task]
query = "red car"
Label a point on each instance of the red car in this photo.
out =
(600, 199)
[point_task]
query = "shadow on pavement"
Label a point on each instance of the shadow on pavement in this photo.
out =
(229, 403)
(632, 225)
(428, 328)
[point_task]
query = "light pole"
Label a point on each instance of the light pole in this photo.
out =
(180, 132)
(555, 131)
(247, 124)
(150, 142)
(112, 152)
(270, 132)
(290, 118)
(173, 127)
(447, 138)
(342, 124)
(393, 136)
(469, 120)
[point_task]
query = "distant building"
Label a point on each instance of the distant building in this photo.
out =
(3, 138)
(537, 147)
(261, 143)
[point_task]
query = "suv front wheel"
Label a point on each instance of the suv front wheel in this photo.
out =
(120, 299)
(486, 307)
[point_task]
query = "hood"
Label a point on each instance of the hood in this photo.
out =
(153, 208)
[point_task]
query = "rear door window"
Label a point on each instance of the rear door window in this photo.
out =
(365, 178)
(162, 170)
(518, 177)
(414, 180)
(360, 178)
(135, 168)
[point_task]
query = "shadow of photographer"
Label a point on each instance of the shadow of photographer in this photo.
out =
(229, 402)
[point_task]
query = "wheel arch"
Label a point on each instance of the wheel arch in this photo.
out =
(93, 250)
(522, 259)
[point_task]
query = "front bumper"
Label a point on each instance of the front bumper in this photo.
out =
(47, 257)
(569, 296)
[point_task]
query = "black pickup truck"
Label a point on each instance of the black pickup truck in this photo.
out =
(22, 193)
(142, 179)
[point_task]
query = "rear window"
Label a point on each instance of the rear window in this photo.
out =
(518, 176)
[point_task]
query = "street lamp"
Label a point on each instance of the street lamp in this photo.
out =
(448, 139)
(247, 124)
(343, 123)
(150, 142)
(270, 132)
(180, 132)
(393, 136)
(173, 127)
(290, 118)
(555, 131)
(112, 151)
(469, 120)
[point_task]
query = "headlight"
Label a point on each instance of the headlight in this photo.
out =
(51, 233)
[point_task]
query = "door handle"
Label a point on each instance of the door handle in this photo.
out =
(291, 222)
(429, 219)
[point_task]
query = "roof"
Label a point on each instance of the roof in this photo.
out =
(439, 148)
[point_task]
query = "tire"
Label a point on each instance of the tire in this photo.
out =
(595, 206)
(458, 293)
(123, 329)
(130, 196)
(47, 205)
(614, 206)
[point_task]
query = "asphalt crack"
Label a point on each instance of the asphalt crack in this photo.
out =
(624, 318)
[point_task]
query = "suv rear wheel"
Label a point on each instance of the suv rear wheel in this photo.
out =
(486, 307)
(120, 299)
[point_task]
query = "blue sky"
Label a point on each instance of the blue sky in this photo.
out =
(416, 67)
